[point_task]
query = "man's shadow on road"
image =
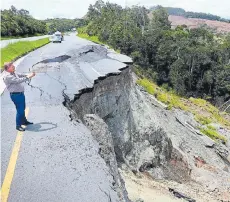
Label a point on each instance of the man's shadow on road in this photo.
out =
(42, 126)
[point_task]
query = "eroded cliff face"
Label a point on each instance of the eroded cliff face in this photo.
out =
(146, 137)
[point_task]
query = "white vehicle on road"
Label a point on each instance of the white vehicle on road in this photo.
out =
(56, 37)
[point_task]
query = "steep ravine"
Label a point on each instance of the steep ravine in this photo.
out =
(135, 131)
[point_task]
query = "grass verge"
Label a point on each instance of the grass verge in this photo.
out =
(90, 38)
(94, 39)
(18, 49)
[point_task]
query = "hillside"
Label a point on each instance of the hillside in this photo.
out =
(178, 16)
(190, 14)
(196, 22)
(176, 20)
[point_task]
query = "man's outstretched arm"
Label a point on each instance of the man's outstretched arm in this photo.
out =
(21, 75)
(12, 79)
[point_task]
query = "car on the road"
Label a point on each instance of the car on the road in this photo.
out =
(56, 37)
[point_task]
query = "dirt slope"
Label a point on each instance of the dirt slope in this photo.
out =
(195, 22)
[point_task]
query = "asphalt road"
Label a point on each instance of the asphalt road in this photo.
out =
(58, 159)
(4, 43)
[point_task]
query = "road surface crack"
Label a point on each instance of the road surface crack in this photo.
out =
(42, 92)
(59, 81)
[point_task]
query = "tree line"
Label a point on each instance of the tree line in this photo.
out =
(207, 16)
(189, 14)
(62, 24)
(190, 62)
(20, 23)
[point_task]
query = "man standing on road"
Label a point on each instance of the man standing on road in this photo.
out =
(14, 85)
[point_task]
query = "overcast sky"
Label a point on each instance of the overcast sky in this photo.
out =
(42, 9)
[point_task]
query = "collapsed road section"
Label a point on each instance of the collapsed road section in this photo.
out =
(136, 131)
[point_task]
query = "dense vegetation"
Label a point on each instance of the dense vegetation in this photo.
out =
(20, 23)
(189, 14)
(190, 62)
(62, 24)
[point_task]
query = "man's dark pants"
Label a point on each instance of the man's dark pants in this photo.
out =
(20, 104)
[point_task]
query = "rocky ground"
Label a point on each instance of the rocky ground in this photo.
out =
(160, 153)
(142, 187)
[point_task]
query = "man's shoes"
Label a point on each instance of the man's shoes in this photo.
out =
(28, 123)
(20, 128)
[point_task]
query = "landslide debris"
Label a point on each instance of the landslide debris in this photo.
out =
(138, 133)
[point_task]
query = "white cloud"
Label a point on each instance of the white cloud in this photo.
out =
(77, 8)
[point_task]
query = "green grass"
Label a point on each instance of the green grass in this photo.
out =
(94, 39)
(204, 104)
(202, 119)
(216, 114)
(147, 85)
(198, 101)
(211, 127)
(18, 49)
(213, 134)
(90, 38)
(167, 97)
